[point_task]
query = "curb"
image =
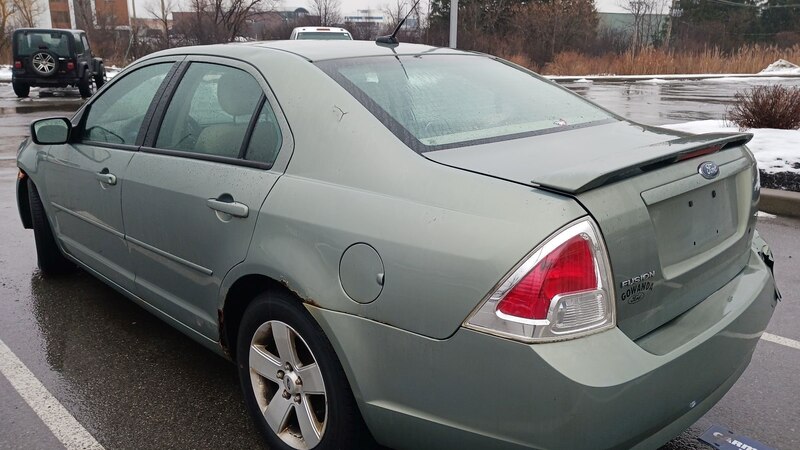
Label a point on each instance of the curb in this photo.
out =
(781, 203)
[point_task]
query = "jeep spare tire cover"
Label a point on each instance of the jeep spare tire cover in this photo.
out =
(44, 63)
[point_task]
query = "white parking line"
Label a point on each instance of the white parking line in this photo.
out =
(65, 428)
(781, 340)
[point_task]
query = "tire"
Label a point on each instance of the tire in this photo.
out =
(49, 257)
(44, 63)
(85, 85)
(332, 420)
(100, 77)
(21, 89)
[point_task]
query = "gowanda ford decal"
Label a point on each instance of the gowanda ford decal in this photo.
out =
(634, 289)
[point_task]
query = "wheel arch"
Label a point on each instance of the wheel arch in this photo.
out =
(23, 204)
(238, 296)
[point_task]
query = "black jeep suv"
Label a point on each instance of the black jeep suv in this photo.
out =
(54, 58)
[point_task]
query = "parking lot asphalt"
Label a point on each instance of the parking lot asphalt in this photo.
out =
(128, 380)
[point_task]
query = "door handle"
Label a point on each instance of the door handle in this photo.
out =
(235, 209)
(107, 178)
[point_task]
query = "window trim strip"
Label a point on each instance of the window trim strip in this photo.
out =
(206, 157)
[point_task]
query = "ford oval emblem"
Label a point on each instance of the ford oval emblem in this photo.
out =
(708, 170)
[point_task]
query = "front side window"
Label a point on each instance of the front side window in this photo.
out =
(210, 111)
(432, 102)
(116, 116)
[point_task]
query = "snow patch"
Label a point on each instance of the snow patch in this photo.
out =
(5, 74)
(654, 81)
(782, 66)
(112, 71)
(776, 150)
(583, 80)
(764, 215)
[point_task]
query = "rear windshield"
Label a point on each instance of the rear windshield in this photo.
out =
(325, 35)
(433, 102)
(31, 42)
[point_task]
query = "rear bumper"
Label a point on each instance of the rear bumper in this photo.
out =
(602, 391)
(57, 80)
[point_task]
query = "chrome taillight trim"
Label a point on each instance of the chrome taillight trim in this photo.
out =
(486, 318)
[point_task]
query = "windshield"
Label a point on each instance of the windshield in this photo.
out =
(325, 35)
(432, 102)
(30, 42)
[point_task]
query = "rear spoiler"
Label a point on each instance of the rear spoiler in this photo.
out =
(598, 172)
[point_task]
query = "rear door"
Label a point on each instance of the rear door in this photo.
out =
(85, 178)
(194, 190)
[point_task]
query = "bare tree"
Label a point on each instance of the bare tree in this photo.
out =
(6, 12)
(648, 19)
(216, 21)
(548, 28)
(396, 11)
(363, 31)
(329, 11)
(27, 12)
(84, 16)
(162, 12)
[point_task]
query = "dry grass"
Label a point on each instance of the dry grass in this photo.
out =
(751, 59)
(774, 106)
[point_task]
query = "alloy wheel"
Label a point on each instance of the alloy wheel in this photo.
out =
(288, 385)
(44, 63)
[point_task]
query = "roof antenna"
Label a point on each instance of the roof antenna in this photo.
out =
(391, 39)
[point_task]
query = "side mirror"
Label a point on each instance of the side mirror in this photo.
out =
(53, 131)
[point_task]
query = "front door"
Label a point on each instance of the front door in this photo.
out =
(85, 178)
(193, 192)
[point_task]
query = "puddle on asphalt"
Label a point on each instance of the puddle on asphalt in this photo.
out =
(670, 101)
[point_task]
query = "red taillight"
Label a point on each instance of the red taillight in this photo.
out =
(569, 268)
(18, 64)
(561, 290)
(70, 65)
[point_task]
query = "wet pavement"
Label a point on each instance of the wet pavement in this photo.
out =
(659, 102)
(134, 382)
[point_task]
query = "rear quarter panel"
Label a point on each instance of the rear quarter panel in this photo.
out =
(445, 236)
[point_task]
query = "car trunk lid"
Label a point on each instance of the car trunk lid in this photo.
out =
(673, 236)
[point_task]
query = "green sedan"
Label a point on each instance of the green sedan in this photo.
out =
(415, 246)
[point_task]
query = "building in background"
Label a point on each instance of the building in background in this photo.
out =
(86, 14)
(365, 16)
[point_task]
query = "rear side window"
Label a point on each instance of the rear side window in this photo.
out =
(116, 116)
(78, 46)
(211, 111)
(266, 138)
(433, 102)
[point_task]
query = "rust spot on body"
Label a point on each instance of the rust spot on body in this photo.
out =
(223, 341)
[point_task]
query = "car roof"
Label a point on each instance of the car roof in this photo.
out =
(47, 30)
(319, 50)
